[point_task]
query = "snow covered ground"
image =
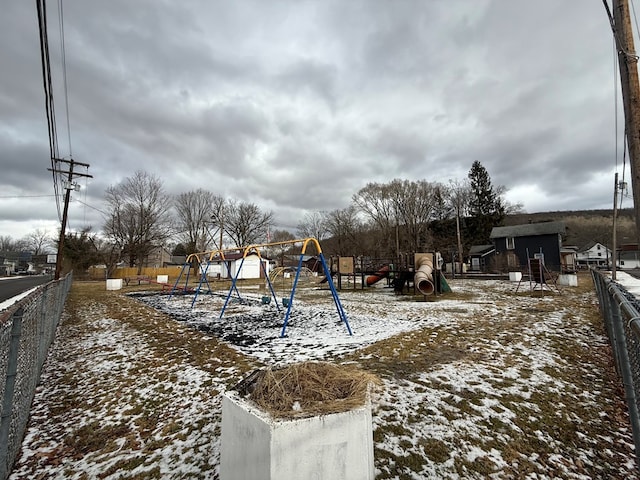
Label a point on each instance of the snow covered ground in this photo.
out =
(482, 383)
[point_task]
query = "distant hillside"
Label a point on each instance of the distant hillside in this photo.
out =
(584, 226)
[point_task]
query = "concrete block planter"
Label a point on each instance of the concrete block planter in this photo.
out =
(114, 284)
(255, 446)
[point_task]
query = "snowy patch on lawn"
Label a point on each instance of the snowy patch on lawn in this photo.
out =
(475, 384)
(315, 330)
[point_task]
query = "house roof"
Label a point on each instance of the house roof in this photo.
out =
(481, 249)
(590, 245)
(233, 256)
(528, 230)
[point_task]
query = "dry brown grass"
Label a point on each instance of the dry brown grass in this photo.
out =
(311, 388)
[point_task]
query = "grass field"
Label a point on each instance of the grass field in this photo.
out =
(481, 383)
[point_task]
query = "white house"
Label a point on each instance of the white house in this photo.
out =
(594, 254)
(628, 256)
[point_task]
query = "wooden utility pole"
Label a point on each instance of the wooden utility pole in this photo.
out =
(68, 186)
(615, 227)
(628, 64)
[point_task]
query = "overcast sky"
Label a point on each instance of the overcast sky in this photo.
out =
(296, 105)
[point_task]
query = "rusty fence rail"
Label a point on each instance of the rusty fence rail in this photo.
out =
(621, 314)
(27, 329)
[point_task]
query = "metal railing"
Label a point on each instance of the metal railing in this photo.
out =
(621, 314)
(27, 329)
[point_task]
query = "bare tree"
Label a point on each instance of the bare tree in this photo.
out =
(414, 203)
(279, 251)
(9, 244)
(442, 208)
(194, 212)
(508, 207)
(138, 216)
(345, 226)
(245, 223)
(401, 210)
(314, 225)
(459, 196)
(108, 252)
(215, 228)
(38, 241)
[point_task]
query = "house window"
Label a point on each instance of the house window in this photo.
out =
(511, 244)
(598, 247)
(599, 254)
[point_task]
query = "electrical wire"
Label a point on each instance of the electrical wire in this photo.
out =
(64, 71)
(26, 196)
(48, 94)
(635, 19)
(92, 207)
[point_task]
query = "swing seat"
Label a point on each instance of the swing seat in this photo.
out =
(285, 302)
(266, 300)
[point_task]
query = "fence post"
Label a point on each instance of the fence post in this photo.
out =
(10, 382)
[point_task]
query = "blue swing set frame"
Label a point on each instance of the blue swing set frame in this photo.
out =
(255, 250)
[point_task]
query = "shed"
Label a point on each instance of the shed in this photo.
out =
(480, 256)
(228, 268)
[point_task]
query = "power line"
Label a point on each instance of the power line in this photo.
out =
(57, 173)
(48, 93)
(91, 206)
(26, 196)
(64, 71)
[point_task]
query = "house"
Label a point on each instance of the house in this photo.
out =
(480, 256)
(312, 262)
(158, 257)
(628, 256)
(517, 243)
(4, 269)
(594, 254)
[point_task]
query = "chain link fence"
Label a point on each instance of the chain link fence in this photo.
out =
(621, 314)
(27, 329)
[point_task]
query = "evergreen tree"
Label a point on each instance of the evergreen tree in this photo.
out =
(486, 208)
(484, 200)
(80, 250)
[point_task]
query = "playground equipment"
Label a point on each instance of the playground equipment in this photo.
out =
(219, 256)
(539, 276)
(423, 279)
(423, 269)
(379, 275)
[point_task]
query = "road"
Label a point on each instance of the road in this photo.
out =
(15, 286)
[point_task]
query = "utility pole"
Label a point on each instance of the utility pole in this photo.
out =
(68, 186)
(628, 64)
(615, 226)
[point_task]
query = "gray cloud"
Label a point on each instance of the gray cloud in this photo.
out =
(297, 105)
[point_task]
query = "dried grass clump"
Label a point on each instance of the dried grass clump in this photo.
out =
(309, 389)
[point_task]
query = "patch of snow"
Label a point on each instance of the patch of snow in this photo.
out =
(13, 300)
